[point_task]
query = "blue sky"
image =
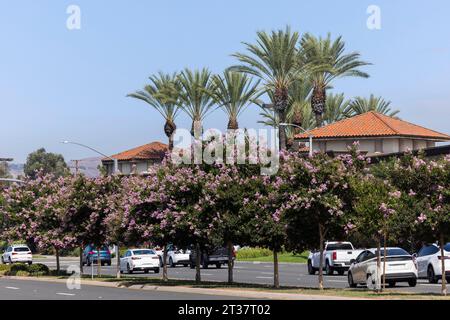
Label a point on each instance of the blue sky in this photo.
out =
(59, 84)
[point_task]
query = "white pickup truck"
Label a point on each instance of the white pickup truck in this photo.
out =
(336, 257)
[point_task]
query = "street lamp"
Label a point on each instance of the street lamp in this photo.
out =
(305, 131)
(115, 161)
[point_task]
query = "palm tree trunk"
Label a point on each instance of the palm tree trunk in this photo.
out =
(280, 101)
(196, 129)
(282, 131)
(444, 280)
(233, 123)
(318, 100)
(169, 129)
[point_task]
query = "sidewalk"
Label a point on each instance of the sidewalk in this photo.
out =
(206, 291)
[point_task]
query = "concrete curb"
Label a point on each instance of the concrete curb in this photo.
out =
(205, 291)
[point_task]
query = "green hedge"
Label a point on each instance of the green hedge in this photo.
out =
(22, 269)
(247, 253)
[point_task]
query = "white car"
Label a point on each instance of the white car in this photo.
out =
(400, 267)
(17, 253)
(177, 256)
(139, 260)
(336, 257)
(429, 262)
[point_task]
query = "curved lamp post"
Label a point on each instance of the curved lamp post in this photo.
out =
(305, 131)
(115, 161)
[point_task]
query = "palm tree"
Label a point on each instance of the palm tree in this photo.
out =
(325, 61)
(196, 99)
(274, 59)
(234, 92)
(336, 108)
(361, 105)
(163, 95)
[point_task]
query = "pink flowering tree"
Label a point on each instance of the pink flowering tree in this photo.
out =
(317, 199)
(428, 183)
(35, 212)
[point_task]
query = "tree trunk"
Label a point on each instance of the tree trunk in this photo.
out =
(58, 269)
(198, 277)
(444, 280)
(230, 262)
(318, 101)
(81, 259)
(233, 124)
(118, 262)
(276, 274)
(378, 288)
(196, 129)
(165, 277)
(282, 131)
(99, 263)
(169, 129)
(321, 239)
(384, 260)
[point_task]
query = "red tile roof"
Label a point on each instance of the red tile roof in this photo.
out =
(372, 124)
(150, 151)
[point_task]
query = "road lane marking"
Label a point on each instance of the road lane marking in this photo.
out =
(65, 294)
(263, 277)
(336, 280)
(266, 272)
(12, 288)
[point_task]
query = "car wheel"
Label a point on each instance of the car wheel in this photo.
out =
(129, 270)
(218, 265)
(146, 271)
(10, 261)
(157, 270)
(205, 265)
(30, 263)
(109, 264)
(121, 271)
(311, 270)
(350, 280)
(161, 264)
(3, 261)
(192, 266)
(341, 272)
(185, 265)
(391, 284)
(88, 262)
(172, 265)
(328, 270)
(431, 275)
(412, 282)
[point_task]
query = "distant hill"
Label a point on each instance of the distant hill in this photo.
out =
(88, 166)
(15, 169)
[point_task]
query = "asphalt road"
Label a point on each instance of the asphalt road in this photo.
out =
(39, 290)
(251, 272)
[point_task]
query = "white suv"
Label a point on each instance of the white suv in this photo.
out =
(430, 264)
(17, 253)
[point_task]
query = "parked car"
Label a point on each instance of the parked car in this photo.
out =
(429, 262)
(336, 257)
(177, 256)
(17, 253)
(90, 255)
(216, 256)
(139, 260)
(400, 267)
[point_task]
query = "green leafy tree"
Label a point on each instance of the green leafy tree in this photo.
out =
(46, 162)
(195, 99)
(274, 60)
(361, 105)
(163, 94)
(233, 92)
(325, 60)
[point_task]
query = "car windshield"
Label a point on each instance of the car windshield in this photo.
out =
(143, 252)
(447, 247)
(393, 252)
(339, 246)
(21, 249)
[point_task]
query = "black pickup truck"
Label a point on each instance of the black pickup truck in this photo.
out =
(217, 256)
